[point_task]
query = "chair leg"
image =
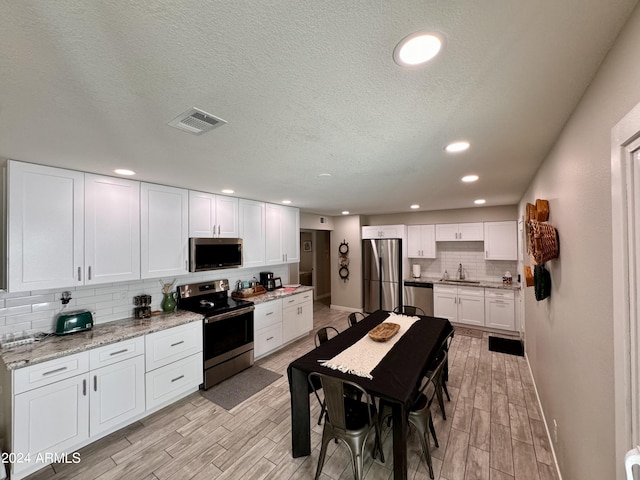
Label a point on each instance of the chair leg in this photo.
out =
(378, 442)
(323, 453)
(425, 449)
(440, 400)
(322, 412)
(433, 431)
(446, 392)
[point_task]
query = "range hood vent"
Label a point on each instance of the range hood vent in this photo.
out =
(196, 121)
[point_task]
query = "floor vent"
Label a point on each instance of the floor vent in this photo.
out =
(196, 121)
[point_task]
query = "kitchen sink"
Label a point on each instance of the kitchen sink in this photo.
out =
(470, 282)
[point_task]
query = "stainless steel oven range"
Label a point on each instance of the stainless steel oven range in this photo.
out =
(227, 328)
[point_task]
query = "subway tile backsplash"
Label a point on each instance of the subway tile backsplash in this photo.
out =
(471, 254)
(32, 312)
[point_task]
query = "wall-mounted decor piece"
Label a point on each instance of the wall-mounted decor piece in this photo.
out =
(306, 246)
(343, 260)
(543, 245)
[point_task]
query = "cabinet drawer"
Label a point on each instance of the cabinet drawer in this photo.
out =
(267, 314)
(100, 357)
(297, 299)
(172, 380)
(167, 346)
(267, 339)
(470, 292)
(499, 293)
(446, 289)
(46, 373)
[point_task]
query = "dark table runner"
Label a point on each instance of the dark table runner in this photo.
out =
(396, 378)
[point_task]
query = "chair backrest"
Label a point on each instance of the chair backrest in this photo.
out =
(322, 335)
(354, 317)
(335, 396)
(409, 310)
(434, 374)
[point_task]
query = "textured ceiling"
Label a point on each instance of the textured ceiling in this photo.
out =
(307, 87)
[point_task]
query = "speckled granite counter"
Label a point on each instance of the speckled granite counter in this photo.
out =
(482, 283)
(279, 293)
(102, 334)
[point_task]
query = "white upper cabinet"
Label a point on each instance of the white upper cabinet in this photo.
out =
(45, 211)
(282, 234)
(112, 229)
(421, 241)
(164, 230)
(459, 232)
(383, 231)
(212, 215)
(252, 232)
(501, 240)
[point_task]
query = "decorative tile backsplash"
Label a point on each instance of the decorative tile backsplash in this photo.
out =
(36, 311)
(471, 254)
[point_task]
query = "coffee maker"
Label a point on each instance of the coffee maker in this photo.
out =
(267, 281)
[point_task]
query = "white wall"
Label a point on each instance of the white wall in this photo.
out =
(347, 295)
(570, 335)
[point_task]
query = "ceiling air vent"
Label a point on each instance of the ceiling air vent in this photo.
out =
(196, 121)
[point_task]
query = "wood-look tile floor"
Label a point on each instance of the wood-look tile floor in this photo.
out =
(493, 431)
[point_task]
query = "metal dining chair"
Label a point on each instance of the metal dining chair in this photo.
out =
(355, 317)
(322, 335)
(409, 310)
(420, 414)
(346, 419)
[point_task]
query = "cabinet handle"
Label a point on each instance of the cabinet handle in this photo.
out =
(269, 338)
(95, 383)
(177, 378)
(270, 313)
(290, 301)
(177, 343)
(84, 387)
(125, 350)
(79, 274)
(57, 370)
(218, 230)
(89, 274)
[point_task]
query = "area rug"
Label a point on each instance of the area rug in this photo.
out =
(240, 387)
(468, 332)
(506, 345)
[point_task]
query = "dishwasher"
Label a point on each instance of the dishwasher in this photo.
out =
(419, 294)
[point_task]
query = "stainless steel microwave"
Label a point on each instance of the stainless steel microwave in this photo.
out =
(214, 253)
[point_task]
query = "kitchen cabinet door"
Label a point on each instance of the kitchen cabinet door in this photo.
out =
(164, 232)
(112, 229)
(212, 215)
(117, 394)
(459, 232)
(445, 302)
(471, 310)
(45, 218)
(471, 232)
(421, 241)
(500, 309)
(53, 418)
(252, 232)
(282, 234)
(297, 316)
(500, 240)
(384, 231)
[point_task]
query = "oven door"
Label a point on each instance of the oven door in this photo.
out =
(227, 335)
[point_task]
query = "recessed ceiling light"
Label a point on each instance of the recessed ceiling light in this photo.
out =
(456, 147)
(124, 171)
(324, 175)
(416, 49)
(470, 178)
(345, 212)
(228, 190)
(286, 202)
(480, 201)
(415, 206)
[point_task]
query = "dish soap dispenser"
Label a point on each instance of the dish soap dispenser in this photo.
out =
(445, 275)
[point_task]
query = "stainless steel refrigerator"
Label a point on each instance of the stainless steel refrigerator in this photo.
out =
(382, 273)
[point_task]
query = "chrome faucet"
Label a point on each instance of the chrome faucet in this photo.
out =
(460, 273)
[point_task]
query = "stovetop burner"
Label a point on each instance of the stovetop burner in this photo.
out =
(209, 298)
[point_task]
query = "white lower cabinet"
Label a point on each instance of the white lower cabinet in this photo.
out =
(267, 326)
(297, 316)
(500, 309)
(459, 304)
(174, 364)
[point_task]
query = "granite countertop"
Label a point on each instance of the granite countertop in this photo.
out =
(483, 283)
(54, 346)
(279, 293)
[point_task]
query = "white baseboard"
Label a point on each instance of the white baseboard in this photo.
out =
(544, 420)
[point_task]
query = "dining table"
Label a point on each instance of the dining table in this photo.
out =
(396, 378)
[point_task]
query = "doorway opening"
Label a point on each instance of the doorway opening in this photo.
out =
(315, 262)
